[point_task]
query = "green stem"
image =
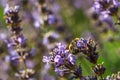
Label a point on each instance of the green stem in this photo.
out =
(101, 77)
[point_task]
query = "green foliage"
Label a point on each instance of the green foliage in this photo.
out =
(1, 17)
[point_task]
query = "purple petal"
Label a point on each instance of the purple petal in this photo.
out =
(71, 59)
(46, 59)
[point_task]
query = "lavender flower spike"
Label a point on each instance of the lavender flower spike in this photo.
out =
(61, 58)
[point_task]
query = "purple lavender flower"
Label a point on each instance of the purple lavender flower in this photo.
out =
(32, 52)
(10, 43)
(71, 59)
(57, 58)
(13, 41)
(105, 17)
(60, 49)
(81, 43)
(116, 3)
(14, 59)
(17, 42)
(61, 72)
(46, 59)
(85, 46)
(21, 39)
(106, 9)
(61, 58)
(51, 19)
(97, 6)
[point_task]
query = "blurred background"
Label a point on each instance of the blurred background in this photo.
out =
(46, 22)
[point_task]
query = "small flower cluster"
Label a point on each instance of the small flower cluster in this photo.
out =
(12, 19)
(50, 17)
(86, 46)
(62, 59)
(43, 14)
(17, 42)
(110, 6)
(105, 9)
(17, 39)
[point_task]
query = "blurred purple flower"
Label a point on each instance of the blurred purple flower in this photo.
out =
(97, 7)
(14, 58)
(105, 17)
(30, 64)
(46, 39)
(46, 59)
(32, 52)
(51, 19)
(21, 39)
(106, 9)
(116, 3)
(3, 36)
(9, 43)
(14, 41)
(60, 72)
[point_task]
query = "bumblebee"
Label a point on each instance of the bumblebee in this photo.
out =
(72, 46)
